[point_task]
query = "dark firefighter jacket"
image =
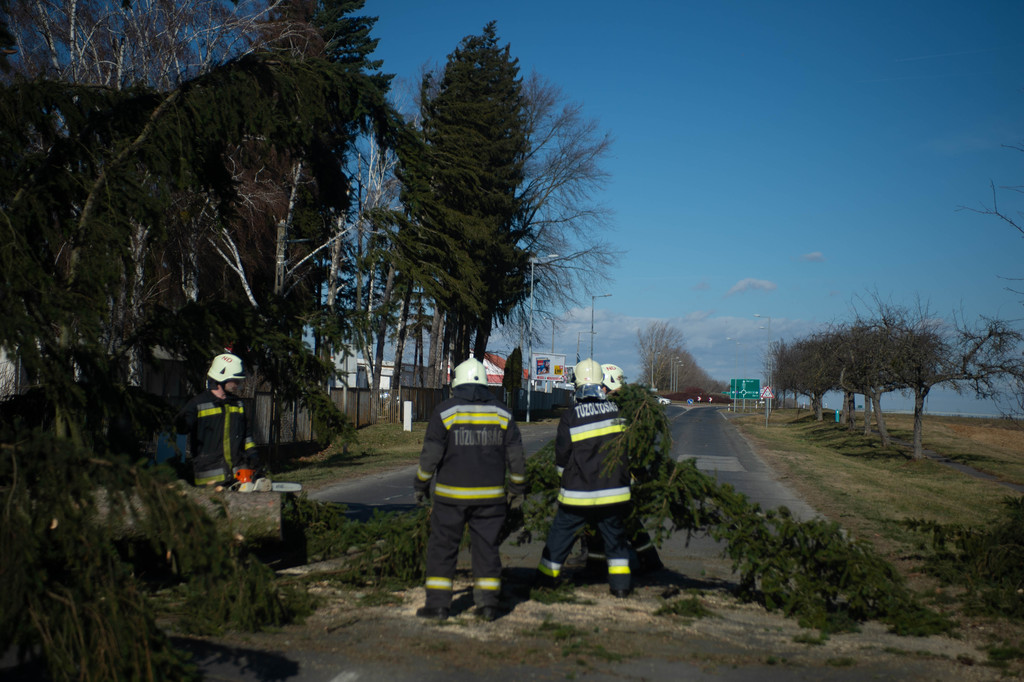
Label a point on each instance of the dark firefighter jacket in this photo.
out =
(220, 436)
(592, 474)
(471, 440)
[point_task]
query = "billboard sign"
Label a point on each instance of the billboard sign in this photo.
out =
(548, 367)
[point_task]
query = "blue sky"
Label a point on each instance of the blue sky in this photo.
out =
(781, 159)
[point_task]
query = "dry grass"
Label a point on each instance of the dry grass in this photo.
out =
(868, 489)
(378, 448)
(994, 446)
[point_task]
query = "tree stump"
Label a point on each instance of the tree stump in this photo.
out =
(251, 516)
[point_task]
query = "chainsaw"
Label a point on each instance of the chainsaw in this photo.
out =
(265, 485)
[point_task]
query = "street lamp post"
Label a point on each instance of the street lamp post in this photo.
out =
(592, 300)
(529, 341)
(768, 354)
(743, 372)
(735, 370)
(678, 374)
(578, 335)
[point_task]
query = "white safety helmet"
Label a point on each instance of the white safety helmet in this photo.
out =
(226, 367)
(587, 376)
(471, 371)
(614, 377)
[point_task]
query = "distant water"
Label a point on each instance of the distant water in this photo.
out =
(941, 402)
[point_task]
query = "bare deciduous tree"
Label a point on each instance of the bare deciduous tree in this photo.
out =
(562, 177)
(118, 44)
(863, 355)
(658, 345)
(808, 367)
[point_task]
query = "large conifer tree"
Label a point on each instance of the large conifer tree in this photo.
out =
(80, 168)
(473, 127)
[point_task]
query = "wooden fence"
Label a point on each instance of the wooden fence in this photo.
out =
(356, 404)
(297, 426)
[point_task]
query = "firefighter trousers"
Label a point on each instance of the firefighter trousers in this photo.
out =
(565, 528)
(447, 523)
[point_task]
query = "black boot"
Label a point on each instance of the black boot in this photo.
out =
(433, 612)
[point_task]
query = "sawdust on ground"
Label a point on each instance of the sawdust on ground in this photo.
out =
(615, 637)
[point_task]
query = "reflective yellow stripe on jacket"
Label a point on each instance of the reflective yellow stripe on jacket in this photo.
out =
(597, 429)
(206, 411)
(593, 498)
(483, 415)
(456, 493)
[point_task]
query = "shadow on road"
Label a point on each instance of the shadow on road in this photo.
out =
(252, 664)
(363, 512)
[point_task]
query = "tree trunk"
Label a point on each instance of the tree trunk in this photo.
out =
(867, 413)
(403, 333)
(459, 337)
(190, 259)
(849, 404)
(435, 348)
(876, 401)
(919, 396)
(483, 334)
(382, 333)
(333, 269)
(419, 359)
(140, 240)
(255, 516)
(446, 343)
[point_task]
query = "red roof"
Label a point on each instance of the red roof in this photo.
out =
(495, 366)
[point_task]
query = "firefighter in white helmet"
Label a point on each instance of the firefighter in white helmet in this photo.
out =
(644, 556)
(219, 430)
(594, 482)
(471, 440)
(612, 378)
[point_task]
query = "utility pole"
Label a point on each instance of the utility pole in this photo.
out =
(592, 300)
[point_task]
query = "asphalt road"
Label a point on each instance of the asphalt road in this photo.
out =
(700, 433)
(392, 491)
(703, 434)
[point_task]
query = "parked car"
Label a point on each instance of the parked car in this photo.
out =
(663, 400)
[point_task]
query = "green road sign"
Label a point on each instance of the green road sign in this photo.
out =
(745, 389)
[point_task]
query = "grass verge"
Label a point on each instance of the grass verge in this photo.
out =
(872, 491)
(378, 448)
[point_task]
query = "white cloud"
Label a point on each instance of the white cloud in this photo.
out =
(813, 257)
(749, 284)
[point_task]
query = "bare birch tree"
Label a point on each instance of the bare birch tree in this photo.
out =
(115, 44)
(377, 193)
